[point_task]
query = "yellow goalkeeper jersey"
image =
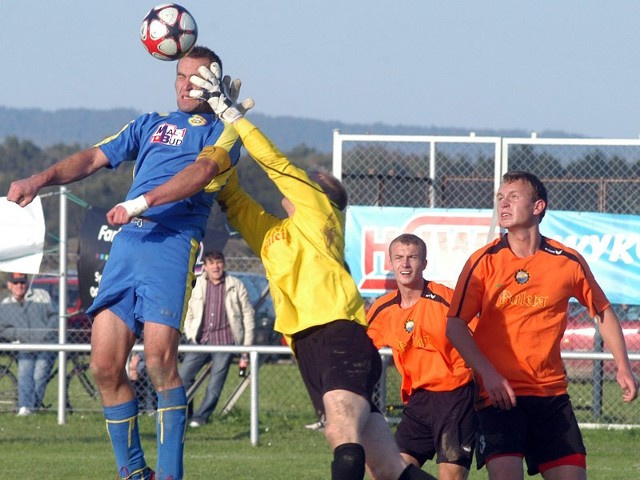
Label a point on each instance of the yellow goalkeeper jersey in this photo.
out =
(303, 255)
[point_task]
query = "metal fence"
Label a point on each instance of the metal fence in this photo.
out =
(590, 175)
(273, 387)
(464, 172)
(416, 171)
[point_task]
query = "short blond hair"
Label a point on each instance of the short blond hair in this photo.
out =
(410, 239)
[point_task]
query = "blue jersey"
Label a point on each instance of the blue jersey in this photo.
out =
(162, 145)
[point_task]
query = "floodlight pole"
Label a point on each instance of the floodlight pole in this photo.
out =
(62, 310)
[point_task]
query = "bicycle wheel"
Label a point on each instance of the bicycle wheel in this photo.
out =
(8, 389)
(82, 394)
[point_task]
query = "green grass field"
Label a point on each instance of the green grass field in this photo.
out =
(38, 448)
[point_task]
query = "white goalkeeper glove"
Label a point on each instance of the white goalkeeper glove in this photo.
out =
(232, 90)
(222, 97)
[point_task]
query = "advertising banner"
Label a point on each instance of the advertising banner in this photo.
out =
(610, 243)
(96, 236)
(22, 237)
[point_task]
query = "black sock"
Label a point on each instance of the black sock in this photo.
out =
(348, 462)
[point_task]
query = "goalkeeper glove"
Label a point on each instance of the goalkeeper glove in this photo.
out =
(221, 97)
(232, 90)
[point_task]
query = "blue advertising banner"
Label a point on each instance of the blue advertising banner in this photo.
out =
(610, 244)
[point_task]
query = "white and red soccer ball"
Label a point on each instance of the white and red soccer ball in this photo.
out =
(168, 31)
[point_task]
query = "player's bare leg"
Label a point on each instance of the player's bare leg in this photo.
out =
(451, 471)
(349, 420)
(111, 343)
(565, 472)
(446, 471)
(505, 468)
(161, 357)
(346, 415)
(384, 461)
(383, 456)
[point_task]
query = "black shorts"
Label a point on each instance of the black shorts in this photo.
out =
(442, 423)
(337, 356)
(541, 429)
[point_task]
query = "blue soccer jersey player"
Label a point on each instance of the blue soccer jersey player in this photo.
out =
(181, 161)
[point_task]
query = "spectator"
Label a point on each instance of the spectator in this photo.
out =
(181, 159)
(437, 386)
(318, 307)
(219, 313)
(519, 286)
(33, 321)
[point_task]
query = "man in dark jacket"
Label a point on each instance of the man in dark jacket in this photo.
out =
(31, 321)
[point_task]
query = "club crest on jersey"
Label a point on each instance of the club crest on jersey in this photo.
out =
(197, 121)
(522, 276)
(409, 325)
(169, 135)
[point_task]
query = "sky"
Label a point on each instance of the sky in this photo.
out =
(536, 65)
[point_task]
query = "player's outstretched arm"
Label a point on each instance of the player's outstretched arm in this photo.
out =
(614, 340)
(245, 214)
(186, 183)
(70, 169)
(222, 95)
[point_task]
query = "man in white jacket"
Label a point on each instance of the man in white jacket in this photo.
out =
(219, 313)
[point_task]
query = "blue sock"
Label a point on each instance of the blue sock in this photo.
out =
(122, 427)
(171, 423)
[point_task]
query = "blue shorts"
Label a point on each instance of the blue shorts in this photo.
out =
(148, 276)
(540, 429)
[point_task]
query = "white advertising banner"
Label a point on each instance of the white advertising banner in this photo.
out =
(22, 233)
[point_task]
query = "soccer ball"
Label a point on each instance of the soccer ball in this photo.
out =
(168, 31)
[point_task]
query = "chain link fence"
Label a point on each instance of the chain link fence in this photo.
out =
(464, 172)
(439, 172)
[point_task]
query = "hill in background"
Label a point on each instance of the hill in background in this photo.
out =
(86, 127)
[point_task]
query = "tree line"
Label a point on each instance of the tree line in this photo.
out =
(593, 180)
(22, 158)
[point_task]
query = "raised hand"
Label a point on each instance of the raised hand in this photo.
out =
(221, 94)
(23, 191)
(232, 91)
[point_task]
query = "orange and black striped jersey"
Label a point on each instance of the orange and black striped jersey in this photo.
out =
(417, 336)
(522, 305)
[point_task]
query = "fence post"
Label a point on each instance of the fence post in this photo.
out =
(62, 309)
(598, 376)
(255, 420)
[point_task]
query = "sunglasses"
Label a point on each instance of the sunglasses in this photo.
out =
(23, 282)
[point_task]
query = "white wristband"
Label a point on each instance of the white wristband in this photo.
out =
(135, 206)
